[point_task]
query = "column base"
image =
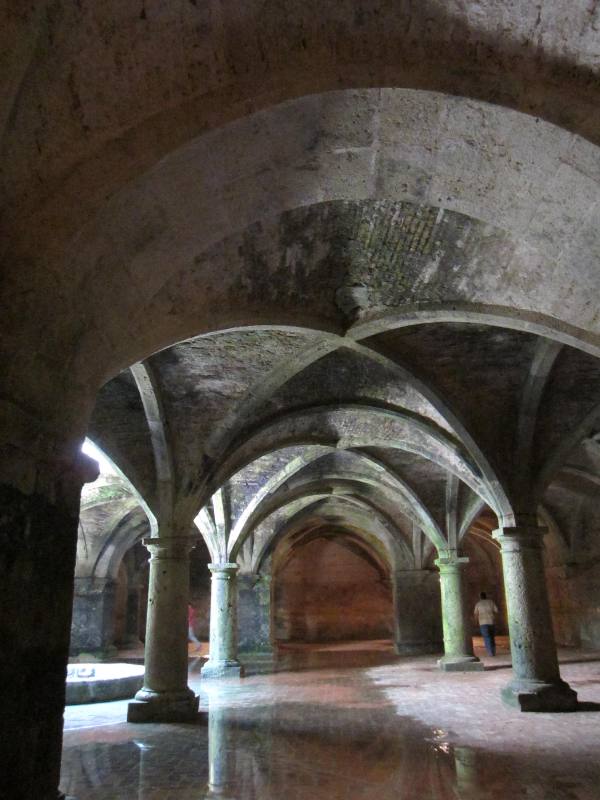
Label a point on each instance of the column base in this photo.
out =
(217, 791)
(257, 655)
(460, 663)
(222, 669)
(259, 663)
(536, 696)
(418, 648)
(163, 707)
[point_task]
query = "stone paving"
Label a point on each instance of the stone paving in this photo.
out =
(346, 724)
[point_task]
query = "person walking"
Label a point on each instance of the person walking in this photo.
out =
(484, 616)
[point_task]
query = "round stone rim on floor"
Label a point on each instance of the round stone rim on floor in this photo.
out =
(100, 683)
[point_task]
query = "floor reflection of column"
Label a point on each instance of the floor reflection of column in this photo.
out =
(145, 771)
(221, 766)
(467, 784)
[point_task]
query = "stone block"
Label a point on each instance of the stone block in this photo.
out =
(540, 697)
(418, 648)
(183, 710)
(457, 664)
(222, 669)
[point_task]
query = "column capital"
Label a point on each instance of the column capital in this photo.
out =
(414, 575)
(170, 546)
(520, 537)
(226, 570)
(254, 577)
(450, 559)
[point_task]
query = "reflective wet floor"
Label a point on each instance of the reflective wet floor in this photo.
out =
(351, 723)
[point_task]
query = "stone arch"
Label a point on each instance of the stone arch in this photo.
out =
(303, 462)
(379, 528)
(293, 547)
(149, 288)
(301, 428)
(130, 529)
(366, 488)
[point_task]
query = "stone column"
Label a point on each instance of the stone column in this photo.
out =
(222, 658)
(165, 696)
(458, 642)
(536, 684)
(417, 624)
(38, 539)
(254, 615)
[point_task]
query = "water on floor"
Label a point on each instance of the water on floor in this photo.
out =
(346, 723)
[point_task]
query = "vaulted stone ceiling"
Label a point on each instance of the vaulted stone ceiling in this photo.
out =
(387, 437)
(370, 229)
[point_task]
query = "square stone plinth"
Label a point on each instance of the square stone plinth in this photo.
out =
(546, 697)
(461, 665)
(164, 711)
(219, 669)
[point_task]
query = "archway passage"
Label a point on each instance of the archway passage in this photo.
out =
(331, 588)
(484, 574)
(111, 569)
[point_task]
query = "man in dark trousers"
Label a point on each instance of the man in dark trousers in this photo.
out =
(484, 615)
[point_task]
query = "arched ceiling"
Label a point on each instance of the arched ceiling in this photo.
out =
(328, 212)
(275, 425)
(364, 229)
(356, 541)
(338, 195)
(109, 73)
(316, 516)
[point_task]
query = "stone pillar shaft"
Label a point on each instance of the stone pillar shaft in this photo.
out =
(165, 695)
(222, 658)
(536, 683)
(458, 643)
(38, 539)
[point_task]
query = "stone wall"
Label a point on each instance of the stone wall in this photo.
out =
(254, 614)
(572, 561)
(200, 589)
(93, 621)
(326, 592)
(418, 623)
(575, 604)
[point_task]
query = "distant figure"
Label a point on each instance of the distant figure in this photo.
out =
(191, 623)
(484, 616)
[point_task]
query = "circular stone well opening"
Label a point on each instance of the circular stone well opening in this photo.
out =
(99, 683)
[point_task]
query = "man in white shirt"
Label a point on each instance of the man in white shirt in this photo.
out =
(484, 615)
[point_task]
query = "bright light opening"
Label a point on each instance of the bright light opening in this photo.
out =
(90, 449)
